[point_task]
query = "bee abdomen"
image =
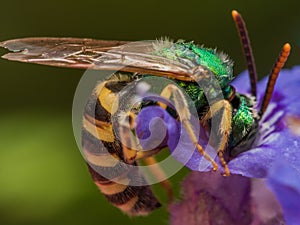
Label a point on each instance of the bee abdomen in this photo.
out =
(121, 183)
(132, 200)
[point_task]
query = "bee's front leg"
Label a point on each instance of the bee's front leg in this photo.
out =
(224, 128)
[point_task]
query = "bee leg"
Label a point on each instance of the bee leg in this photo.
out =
(133, 151)
(184, 114)
(158, 173)
(130, 145)
(225, 128)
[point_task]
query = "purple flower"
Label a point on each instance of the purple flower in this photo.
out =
(275, 155)
(278, 137)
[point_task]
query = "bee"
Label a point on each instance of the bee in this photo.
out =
(183, 62)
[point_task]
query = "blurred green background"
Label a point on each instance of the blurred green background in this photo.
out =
(43, 178)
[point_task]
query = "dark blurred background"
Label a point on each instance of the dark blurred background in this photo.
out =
(43, 177)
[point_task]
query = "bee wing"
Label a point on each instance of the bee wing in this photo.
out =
(98, 54)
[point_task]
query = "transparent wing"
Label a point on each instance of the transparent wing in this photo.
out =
(98, 54)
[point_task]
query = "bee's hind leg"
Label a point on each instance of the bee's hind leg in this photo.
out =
(132, 151)
(160, 175)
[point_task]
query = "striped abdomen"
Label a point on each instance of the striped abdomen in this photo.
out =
(104, 153)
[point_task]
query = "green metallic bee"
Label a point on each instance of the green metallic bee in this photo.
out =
(184, 62)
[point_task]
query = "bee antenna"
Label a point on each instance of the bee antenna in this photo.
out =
(245, 41)
(284, 54)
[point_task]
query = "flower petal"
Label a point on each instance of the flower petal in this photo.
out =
(286, 90)
(286, 78)
(285, 183)
(257, 161)
(210, 198)
(265, 207)
(242, 83)
(155, 128)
